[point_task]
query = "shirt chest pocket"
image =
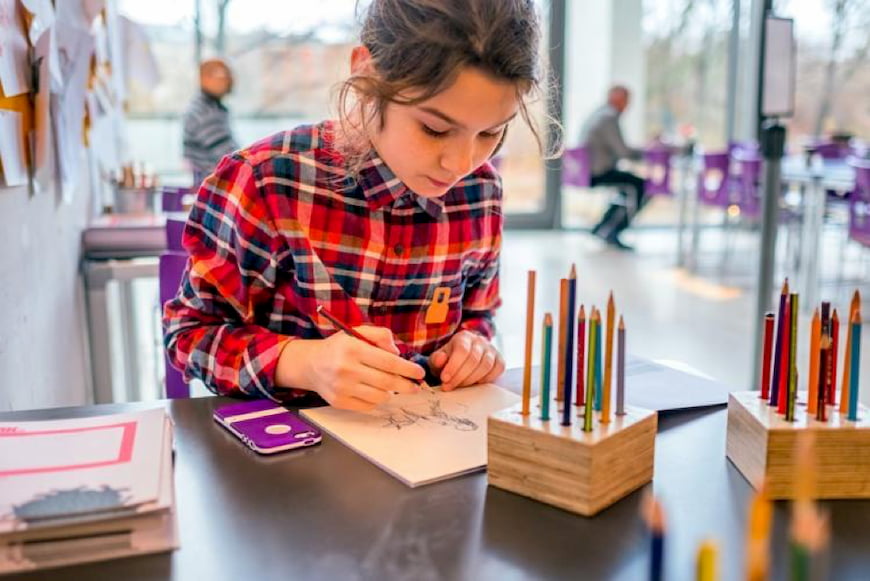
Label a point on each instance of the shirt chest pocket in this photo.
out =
(442, 308)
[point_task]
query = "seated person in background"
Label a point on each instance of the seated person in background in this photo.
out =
(206, 124)
(602, 137)
(390, 217)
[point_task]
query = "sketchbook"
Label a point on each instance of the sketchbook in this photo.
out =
(420, 438)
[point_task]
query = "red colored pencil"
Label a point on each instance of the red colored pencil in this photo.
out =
(765, 357)
(824, 358)
(832, 357)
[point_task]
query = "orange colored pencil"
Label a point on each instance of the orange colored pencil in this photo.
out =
(608, 362)
(530, 331)
(563, 309)
(847, 356)
(813, 377)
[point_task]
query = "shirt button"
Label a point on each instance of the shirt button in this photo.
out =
(399, 249)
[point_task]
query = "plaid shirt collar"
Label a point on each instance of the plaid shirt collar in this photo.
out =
(381, 187)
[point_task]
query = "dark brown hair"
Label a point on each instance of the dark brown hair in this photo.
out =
(423, 44)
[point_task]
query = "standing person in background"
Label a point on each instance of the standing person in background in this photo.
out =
(207, 133)
(602, 138)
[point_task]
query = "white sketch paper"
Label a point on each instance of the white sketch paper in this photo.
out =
(14, 62)
(13, 158)
(420, 438)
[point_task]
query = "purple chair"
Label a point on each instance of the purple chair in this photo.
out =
(172, 198)
(658, 178)
(713, 180)
(859, 205)
(828, 150)
(171, 269)
(575, 168)
(746, 164)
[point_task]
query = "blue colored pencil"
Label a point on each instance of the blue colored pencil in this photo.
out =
(855, 366)
(569, 346)
(777, 354)
(546, 356)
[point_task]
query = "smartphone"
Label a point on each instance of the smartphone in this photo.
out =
(266, 427)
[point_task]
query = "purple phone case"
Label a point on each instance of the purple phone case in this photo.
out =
(266, 427)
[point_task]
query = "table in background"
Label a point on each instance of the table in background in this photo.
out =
(326, 513)
(815, 180)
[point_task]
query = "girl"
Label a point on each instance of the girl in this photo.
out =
(390, 218)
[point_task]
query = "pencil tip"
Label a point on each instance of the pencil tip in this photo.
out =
(573, 271)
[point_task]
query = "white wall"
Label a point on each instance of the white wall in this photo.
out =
(43, 354)
(604, 44)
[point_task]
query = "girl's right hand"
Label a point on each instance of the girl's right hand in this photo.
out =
(349, 373)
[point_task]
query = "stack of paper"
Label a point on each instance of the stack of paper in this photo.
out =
(88, 489)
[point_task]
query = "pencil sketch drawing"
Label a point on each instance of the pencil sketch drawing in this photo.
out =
(404, 417)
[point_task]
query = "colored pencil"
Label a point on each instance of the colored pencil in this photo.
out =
(567, 411)
(832, 357)
(847, 356)
(785, 372)
(580, 398)
(792, 376)
(620, 369)
(560, 355)
(590, 374)
(765, 356)
(778, 351)
(813, 377)
(855, 363)
(758, 537)
(341, 326)
(826, 330)
(598, 355)
(817, 399)
(546, 358)
(608, 361)
(530, 331)
(706, 562)
(655, 519)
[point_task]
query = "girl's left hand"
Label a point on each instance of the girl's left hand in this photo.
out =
(467, 359)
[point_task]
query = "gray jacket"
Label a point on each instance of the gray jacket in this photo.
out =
(603, 139)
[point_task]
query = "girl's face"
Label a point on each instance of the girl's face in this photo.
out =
(433, 144)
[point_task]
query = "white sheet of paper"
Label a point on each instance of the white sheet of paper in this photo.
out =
(420, 438)
(75, 47)
(14, 64)
(75, 456)
(12, 152)
(670, 385)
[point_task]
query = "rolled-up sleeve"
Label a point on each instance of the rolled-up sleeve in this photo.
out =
(210, 327)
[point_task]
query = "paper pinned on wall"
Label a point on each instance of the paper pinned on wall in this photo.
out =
(12, 157)
(14, 64)
(420, 438)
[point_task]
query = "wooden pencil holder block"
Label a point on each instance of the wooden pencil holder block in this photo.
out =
(761, 444)
(582, 472)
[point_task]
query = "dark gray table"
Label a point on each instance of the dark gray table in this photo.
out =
(326, 513)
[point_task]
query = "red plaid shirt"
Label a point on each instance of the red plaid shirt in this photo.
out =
(280, 227)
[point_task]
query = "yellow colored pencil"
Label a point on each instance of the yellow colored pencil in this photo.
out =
(706, 562)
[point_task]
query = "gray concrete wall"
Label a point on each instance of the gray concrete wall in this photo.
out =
(43, 347)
